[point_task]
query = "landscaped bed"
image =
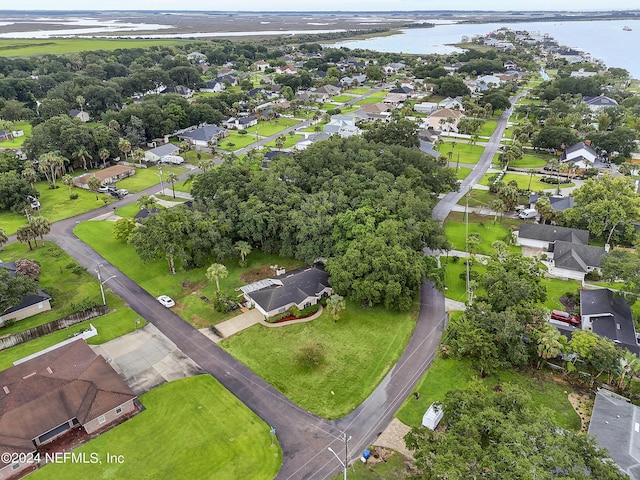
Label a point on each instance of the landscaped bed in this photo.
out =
(190, 429)
(326, 367)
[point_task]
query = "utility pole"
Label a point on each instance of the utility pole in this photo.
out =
(345, 463)
(104, 300)
(466, 236)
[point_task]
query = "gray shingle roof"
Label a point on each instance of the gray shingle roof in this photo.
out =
(551, 233)
(296, 285)
(577, 257)
(204, 134)
(611, 316)
(166, 149)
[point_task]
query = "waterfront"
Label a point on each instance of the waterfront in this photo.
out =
(604, 40)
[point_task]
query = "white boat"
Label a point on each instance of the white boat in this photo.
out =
(626, 28)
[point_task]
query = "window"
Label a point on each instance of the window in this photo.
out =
(101, 419)
(40, 305)
(119, 409)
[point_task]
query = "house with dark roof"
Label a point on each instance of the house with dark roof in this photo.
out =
(615, 426)
(540, 236)
(145, 213)
(29, 305)
(202, 136)
(609, 316)
(47, 396)
(80, 115)
(558, 204)
(300, 288)
(599, 103)
(581, 154)
(157, 154)
(181, 90)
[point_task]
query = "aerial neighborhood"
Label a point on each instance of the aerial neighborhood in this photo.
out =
(239, 259)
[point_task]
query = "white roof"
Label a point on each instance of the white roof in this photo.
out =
(432, 417)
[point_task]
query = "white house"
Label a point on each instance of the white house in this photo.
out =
(157, 154)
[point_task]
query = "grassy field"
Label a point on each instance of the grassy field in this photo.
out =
(487, 128)
(456, 286)
(469, 154)
(154, 276)
(289, 142)
(146, 177)
(211, 435)
(342, 98)
(366, 100)
(34, 47)
(266, 129)
(17, 142)
(359, 90)
(463, 172)
(557, 288)
(358, 351)
(478, 198)
(453, 374)
(454, 228)
(236, 141)
(528, 161)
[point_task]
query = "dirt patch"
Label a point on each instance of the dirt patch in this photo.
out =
(583, 405)
(257, 273)
(393, 438)
(569, 302)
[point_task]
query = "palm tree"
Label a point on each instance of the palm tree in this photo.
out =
(336, 304)
(94, 184)
(629, 364)
(25, 234)
(280, 141)
(68, 181)
(125, 147)
(215, 272)
(103, 153)
(114, 125)
(244, 249)
(4, 238)
(50, 164)
(30, 175)
(40, 226)
(80, 101)
(147, 201)
(138, 155)
(497, 206)
(172, 178)
(205, 164)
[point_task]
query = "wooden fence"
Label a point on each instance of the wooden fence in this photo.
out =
(41, 330)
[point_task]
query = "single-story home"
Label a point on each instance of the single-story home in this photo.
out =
(445, 119)
(181, 90)
(541, 236)
(80, 114)
(425, 107)
(615, 425)
(599, 103)
(106, 176)
(202, 136)
(45, 397)
(213, 86)
(144, 213)
(260, 65)
(157, 154)
(30, 305)
(581, 154)
(342, 125)
(558, 204)
(328, 89)
(300, 288)
(609, 316)
(196, 56)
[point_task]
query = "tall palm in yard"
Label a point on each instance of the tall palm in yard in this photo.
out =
(243, 248)
(30, 175)
(138, 155)
(51, 165)
(280, 141)
(147, 201)
(68, 181)
(215, 272)
(4, 238)
(25, 234)
(335, 305)
(103, 153)
(629, 364)
(83, 154)
(172, 178)
(125, 147)
(549, 345)
(40, 226)
(94, 184)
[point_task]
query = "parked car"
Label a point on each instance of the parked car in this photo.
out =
(528, 213)
(107, 188)
(565, 317)
(123, 192)
(166, 301)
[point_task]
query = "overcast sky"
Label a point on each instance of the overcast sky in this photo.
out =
(324, 5)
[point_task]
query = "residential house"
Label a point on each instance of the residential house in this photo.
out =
(489, 80)
(202, 136)
(157, 154)
(330, 90)
(287, 70)
(213, 86)
(608, 315)
(395, 98)
(145, 213)
(568, 253)
(509, 65)
(377, 110)
(558, 204)
(181, 90)
(404, 89)
(5, 135)
(240, 123)
(615, 426)
(80, 115)
(227, 80)
(343, 125)
(30, 305)
(225, 71)
(300, 288)
(45, 397)
(393, 68)
(581, 73)
(196, 56)
(354, 81)
(425, 107)
(106, 176)
(452, 103)
(260, 65)
(600, 102)
(445, 119)
(581, 154)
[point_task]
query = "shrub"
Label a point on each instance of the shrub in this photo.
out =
(455, 258)
(593, 276)
(73, 196)
(84, 304)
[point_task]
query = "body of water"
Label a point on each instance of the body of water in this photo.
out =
(604, 40)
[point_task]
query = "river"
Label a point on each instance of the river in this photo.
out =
(604, 40)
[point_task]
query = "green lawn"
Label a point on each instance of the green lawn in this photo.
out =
(454, 374)
(454, 228)
(463, 172)
(290, 142)
(192, 156)
(557, 288)
(523, 182)
(358, 351)
(342, 98)
(154, 276)
(17, 142)
(266, 129)
(31, 47)
(478, 198)
(330, 106)
(487, 128)
(456, 286)
(120, 321)
(359, 90)
(366, 100)
(469, 154)
(146, 177)
(528, 161)
(190, 428)
(238, 141)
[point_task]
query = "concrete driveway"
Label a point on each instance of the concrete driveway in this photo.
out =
(146, 358)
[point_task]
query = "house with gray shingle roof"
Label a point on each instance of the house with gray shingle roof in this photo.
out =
(300, 288)
(202, 136)
(599, 103)
(161, 151)
(609, 316)
(540, 236)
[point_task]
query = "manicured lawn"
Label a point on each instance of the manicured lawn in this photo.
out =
(184, 186)
(359, 90)
(129, 210)
(154, 276)
(463, 172)
(358, 351)
(523, 182)
(330, 106)
(469, 154)
(557, 288)
(528, 161)
(454, 228)
(487, 128)
(266, 129)
(238, 141)
(30, 47)
(454, 374)
(478, 198)
(190, 428)
(368, 100)
(342, 98)
(120, 321)
(17, 142)
(192, 156)
(146, 177)
(290, 141)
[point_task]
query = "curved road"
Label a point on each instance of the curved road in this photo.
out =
(304, 437)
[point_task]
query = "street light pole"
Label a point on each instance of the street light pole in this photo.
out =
(345, 463)
(104, 300)
(160, 174)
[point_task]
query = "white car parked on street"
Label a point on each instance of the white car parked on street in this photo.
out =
(166, 301)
